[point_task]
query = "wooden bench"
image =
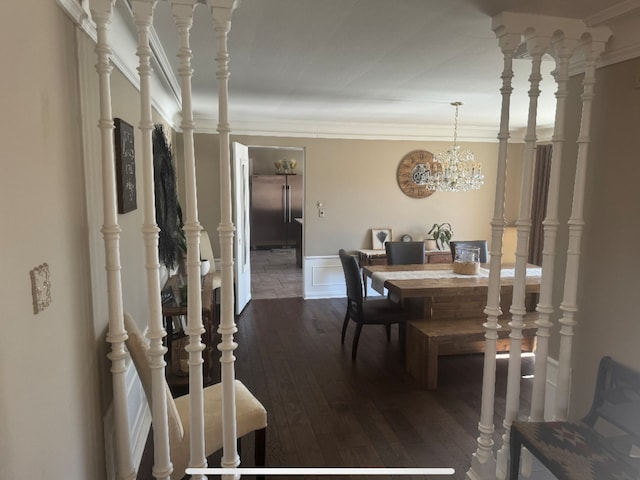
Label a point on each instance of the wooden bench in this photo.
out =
(431, 338)
(603, 445)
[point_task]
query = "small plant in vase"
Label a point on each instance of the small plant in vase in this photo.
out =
(441, 234)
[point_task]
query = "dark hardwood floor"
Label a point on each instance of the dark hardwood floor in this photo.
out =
(326, 411)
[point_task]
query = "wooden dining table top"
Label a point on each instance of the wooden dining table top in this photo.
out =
(451, 286)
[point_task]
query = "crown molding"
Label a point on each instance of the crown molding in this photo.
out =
(123, 55)
(615, 12)
(352, 130)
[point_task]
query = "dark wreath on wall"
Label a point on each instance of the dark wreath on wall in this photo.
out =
(125, 166)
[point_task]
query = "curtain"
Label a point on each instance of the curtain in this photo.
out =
(539, 202)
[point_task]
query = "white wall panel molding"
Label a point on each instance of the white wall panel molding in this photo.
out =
(139, 423)
(323, 277)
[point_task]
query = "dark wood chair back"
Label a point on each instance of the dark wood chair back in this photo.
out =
(370, 312)
(404, 253)
(481, 244)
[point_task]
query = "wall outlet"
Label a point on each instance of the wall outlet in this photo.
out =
(321, 212)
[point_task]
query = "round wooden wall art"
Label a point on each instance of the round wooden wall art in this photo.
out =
(411, 173)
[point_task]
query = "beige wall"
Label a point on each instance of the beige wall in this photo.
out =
(608, 318)
(50, 413)
(356, 181)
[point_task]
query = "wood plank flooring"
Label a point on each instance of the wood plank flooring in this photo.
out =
(326, 411)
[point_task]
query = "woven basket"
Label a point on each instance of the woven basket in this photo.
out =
(179, 356)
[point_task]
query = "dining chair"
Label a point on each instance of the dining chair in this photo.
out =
(369, 312)
(481, 244)
(404, 253)
(251, 416)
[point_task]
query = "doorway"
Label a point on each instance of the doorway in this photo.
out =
(276, 222)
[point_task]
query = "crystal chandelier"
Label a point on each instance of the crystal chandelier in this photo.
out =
(454, 170)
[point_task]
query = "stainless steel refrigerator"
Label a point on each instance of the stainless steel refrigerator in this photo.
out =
(276, 200)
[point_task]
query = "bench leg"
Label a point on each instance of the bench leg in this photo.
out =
(515, 447)
(432, 364)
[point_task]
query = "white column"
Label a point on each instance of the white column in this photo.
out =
(183, 14)
(563, 51)
(536, 47)
(483, 464)
(576, 225)
(101, 12)
(162, 467)
(222, 11)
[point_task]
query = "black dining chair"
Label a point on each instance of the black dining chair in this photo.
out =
(369, 312)
(481, 244)
(404, 253)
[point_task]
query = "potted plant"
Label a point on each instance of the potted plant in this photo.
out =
(441, 234)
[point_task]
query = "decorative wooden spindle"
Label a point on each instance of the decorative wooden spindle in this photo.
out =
(102, 12)
(576, 226)
(162, 467)
(483, 463)
(563, 50)
(221, 12)
(183, 15)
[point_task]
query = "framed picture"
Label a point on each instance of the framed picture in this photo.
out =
(125, 166)
(380, 236)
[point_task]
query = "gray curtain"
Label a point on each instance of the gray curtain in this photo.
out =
(539, 202)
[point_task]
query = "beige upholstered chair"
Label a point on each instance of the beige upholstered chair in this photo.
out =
(251, 416)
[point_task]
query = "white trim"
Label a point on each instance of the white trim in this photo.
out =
(123, 57)
(323, 277)
(351, 130)
(613, 13)
(139, 423)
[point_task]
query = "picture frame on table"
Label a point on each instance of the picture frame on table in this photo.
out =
(380, 236)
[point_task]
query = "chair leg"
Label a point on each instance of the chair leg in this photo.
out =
(515, 447)
(356, 337)
(387, 328)
(402, 337)
(261, 448)
(344, 325)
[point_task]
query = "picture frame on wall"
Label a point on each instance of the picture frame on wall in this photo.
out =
(380, 236)
(125, 166)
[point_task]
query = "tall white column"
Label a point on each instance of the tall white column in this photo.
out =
(569, 306)
(483, 464)
(162, 468)
(183, 14)
(102, 12)
(536, 47)
(563, 50)
(222, 11)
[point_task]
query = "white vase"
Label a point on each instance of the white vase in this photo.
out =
(204, 267)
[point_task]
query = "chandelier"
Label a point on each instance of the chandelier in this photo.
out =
(454, 170)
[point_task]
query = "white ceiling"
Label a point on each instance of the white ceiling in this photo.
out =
(321, 66)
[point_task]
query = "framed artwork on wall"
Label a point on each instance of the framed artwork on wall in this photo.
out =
(380, 236)
(125, 166)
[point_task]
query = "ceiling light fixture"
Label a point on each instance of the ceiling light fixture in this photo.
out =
(454, 170)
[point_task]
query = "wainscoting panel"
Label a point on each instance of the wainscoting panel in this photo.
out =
(323, 277)
(139, 423)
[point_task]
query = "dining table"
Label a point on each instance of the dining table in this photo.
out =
(447, 309)
(426, 282)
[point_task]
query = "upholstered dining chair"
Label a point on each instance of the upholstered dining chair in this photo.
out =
(481, 244)
(369, 312)
(404, 253)
(251, 416)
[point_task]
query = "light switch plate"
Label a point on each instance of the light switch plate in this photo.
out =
(40, 287)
